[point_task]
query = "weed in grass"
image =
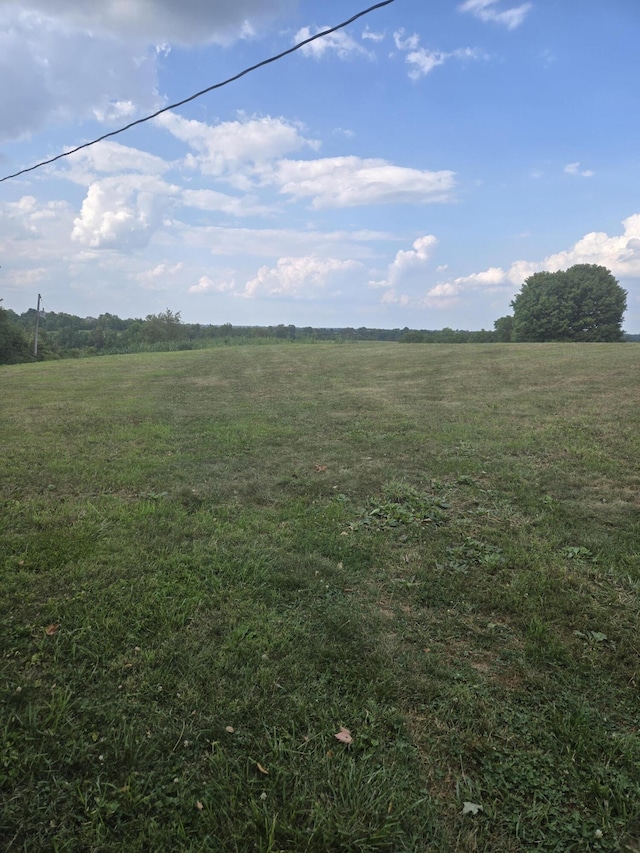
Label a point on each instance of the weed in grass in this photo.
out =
(403, 506)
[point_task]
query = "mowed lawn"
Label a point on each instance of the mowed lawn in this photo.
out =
(213, 562)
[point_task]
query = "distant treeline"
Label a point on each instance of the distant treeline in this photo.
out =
(63, 335)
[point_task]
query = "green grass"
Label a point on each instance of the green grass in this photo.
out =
(239, 551)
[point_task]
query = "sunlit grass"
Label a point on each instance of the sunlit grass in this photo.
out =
(212, 561)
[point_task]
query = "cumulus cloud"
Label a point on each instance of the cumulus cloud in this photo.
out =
(249, 153)
(392, 297)
(422, 61)
(28, 219)
(574, 169)
(408, 262)
(207, 285)
(158, 277)
(485, 10)
(34, 237)
(298, 277)
(493, 277)
(187, 22)
(123, 212)
(339, 43)
(110, 158)
(446, 293)
(620, 254)
(227, 148)
(335, 182)
(81, 77)
(63, 60)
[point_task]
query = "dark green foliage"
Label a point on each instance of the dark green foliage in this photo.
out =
(166, 326)
(504, 329)
(68, 336)
(446, 336)
(583, 303)
(14, 346)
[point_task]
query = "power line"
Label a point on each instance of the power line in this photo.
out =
(203, 92)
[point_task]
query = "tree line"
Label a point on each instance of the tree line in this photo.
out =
(583, 303)
(64, 335)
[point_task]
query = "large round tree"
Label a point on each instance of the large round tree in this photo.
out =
(583, 303)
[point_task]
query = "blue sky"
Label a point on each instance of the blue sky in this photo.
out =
(411, 170)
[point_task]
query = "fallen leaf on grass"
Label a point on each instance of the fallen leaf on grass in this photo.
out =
(320, 469)
(471, 808)
(229, 729)
(262, 769)
(344, 735)
(50, 630)
(199, 805)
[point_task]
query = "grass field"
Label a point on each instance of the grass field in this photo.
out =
(213, 561)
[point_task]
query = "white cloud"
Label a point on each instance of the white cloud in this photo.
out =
(63, 60)
(34, 239)
(392, 297)
(446, 293)
(231, 146)
(492, 277)
(29, 221)
(422, 61)
(123, 212)
(160, 21)
(298, 277)
(620, 254)
(115, 111)
(158, 277)
(411, 42)
(110, 158)
(247, 153)
(574, 169)
(340, 43)
(441, 296)
(371, 36)
(351, 181)
(485, 10)
(213, 201)
(408, 262)
(207, 285)
(18, 278)
(51, 73)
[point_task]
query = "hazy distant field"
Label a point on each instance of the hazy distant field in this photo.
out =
(212, 561)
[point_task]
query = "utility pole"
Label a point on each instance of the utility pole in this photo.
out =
(35, 341)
